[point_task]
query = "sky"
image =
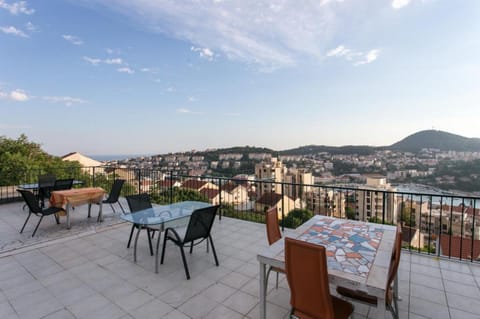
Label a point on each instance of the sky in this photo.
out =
(158, 76)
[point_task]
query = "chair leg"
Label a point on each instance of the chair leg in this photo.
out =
(191, 247)
(41, 217)
(163, 246)
(213, 249)
(24, 224)
(150, 242)
(131, 235)
(276, 285)
(123, 211)
(111, 205)
(187, 273)
(57, 218)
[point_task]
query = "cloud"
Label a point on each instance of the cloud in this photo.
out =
(264, 34)
(338, 51)
(125, 70)
(92, 61)
(16, 7)
(398, 4)
(15, 95)
(13, 31)
(187, 111)
(67, 100)
(31, 27)
(371, 56)
(113, 61)
(355, 57)
(192, 99)
(72, 39)
(205, 53)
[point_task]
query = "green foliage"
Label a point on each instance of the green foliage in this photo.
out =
(106, 182)
(22, 161)
(408, 216)
(177, 195)
(297, 217)
(229, 211)
(350, 213)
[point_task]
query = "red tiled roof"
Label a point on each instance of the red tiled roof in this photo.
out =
(210, 193)
(193, 184)
(269, 199)
(451, 247)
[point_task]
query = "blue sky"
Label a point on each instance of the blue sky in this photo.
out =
(153, 76)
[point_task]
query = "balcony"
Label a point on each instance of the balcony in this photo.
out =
(87, 272)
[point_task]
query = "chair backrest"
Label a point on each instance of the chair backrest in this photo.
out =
(115, 191)
(397, 249)
(47, 180)
(61, 184)
(200, 223)
(138, 202)
(307, 275)
(45, 185)
(273, 230)
(31, 201)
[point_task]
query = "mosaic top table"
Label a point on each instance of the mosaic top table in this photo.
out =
(78, 196)
(358, 255)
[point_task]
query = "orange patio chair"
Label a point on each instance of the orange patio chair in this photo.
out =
(307, 275)
(273, 235)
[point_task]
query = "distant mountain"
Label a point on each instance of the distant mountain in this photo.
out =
(436, 139)
(314, 149)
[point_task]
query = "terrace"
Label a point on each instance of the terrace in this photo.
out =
(87, 272)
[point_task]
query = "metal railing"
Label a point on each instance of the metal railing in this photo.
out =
(434, 224)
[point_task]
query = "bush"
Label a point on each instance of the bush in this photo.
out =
(297, 217)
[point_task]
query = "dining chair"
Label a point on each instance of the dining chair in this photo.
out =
(136, 203)
(198, 229)
(34, 208)
(307, 275)
(45, 186)
(390, 298)
(115, 194)
(63, 184)
(273, 235)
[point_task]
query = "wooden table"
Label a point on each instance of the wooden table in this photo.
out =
(358, 255)
(76, 197)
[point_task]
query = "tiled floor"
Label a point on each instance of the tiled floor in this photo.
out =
(89, 273)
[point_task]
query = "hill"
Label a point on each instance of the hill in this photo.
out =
(436, 139)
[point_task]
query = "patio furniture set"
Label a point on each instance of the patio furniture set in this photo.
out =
(359, 259)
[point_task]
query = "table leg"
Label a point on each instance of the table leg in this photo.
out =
(263, 291)
(67, 211)
(135, 244)
(100, 212)
(381, 308)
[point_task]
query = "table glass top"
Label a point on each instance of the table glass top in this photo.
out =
(164, 213)
(351, 246)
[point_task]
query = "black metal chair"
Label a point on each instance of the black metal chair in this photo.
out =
(63, 184)
(34, 208)
(45, 186)
(199, 228)
(115, 194)
(136, 203)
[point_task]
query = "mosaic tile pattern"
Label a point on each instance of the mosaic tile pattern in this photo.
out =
(351, 246)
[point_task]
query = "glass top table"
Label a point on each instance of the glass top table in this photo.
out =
(160, 217)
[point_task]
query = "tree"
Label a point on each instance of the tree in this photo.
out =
(178, 194)
(350, 213)
(22, 161)
(297, 217)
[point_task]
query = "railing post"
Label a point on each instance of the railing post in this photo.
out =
(93, 177)
(139, 181)
(283, 206)
(171, 187)
(220, 198)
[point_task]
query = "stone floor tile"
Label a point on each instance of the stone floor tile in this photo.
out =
(152, 309)
(241, 302)
(430, 294)
(222, 312)
(428, 309)
(198, 306)
(218, 292)
(463, 303)
(235, 280)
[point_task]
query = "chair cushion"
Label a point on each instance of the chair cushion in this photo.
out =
(52, 210)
